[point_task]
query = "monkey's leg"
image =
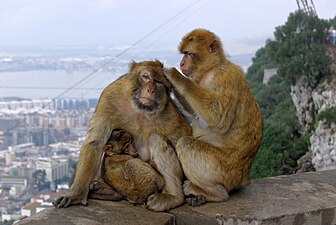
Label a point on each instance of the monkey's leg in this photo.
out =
(203, 165)
(87, 167)
(102, 191)
(168, 165)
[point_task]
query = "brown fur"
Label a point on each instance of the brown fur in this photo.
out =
(227, 127)
(118, 108)
(131, 177)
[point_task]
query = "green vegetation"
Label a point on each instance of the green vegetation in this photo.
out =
(298, 51)
(329, 115)
(40, 180)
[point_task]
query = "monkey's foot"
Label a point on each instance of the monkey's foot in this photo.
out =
(195, 200)
(71, 199)
(163, 202)
(190, 189)
(102, 191)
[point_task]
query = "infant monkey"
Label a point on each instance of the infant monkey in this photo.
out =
(130, 176)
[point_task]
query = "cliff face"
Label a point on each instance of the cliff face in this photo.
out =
(309, 103)
(323, 146)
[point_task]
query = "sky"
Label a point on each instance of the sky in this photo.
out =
(155, 23)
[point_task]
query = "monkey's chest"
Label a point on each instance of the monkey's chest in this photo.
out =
(143, 149)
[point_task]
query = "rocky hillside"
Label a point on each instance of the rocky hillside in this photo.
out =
(298, 102)
(310, 103)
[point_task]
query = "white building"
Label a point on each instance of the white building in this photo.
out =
(13, 182)
(27, 104)
(269, 72)
(30, 209)
(55, 169)
(9, 158)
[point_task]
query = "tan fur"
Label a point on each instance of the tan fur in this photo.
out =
(132, 177)
(116, 109)
(227, 127)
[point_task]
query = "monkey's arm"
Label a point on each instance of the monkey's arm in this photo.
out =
(89, 161)
(216, 109)
(182, 101)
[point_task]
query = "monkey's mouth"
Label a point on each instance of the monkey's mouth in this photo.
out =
(146, 101)
(146, 104)
(186, 72)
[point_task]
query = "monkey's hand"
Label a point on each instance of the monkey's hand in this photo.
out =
(71, 198)
(179, 82)
(170, 72)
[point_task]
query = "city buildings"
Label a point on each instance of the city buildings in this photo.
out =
(39, 144)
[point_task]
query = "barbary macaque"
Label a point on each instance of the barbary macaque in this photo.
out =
(139, 103)
(226, 125)
(130, 176)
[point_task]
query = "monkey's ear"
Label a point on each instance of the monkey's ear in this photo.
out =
(159, 62)
(132, 65)
(214, 46)
(108, 150)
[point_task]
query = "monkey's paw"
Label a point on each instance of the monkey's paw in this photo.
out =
(70, 199)
(169, 72)
(195, 200)
(190, 189)
(162, 202)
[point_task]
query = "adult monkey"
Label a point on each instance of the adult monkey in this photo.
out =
(139, 103)
(227, 123)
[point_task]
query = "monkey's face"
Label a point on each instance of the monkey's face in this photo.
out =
(201, 51)
(150, 90)
(187, 64)
(121, 142)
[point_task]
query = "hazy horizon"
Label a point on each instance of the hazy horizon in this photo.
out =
(150, 24)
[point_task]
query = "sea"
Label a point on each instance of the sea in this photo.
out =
(55, 84)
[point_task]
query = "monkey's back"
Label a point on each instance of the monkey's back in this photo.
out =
(133, 178)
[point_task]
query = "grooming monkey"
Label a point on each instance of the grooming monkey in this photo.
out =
(139, 103)
(226, 125)
(131, 177)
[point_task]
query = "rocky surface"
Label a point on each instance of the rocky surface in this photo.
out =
(303, 102)
(300, 199)
(309, 103)
(324, 96)
(323, 147)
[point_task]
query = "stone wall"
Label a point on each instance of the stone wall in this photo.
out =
(300, 199)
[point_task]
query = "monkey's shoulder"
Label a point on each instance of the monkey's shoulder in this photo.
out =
(117, 86)
(116, 93)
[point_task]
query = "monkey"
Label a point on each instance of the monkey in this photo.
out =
(129, 176)
(138, 102)
(226, 124)
(119, 142)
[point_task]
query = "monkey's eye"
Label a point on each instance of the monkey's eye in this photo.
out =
(188, 53)
(146, 76)
(158, 81)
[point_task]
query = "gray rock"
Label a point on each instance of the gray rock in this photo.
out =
(300, 199)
